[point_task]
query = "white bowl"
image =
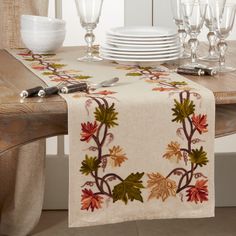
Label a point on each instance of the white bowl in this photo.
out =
(43, 33)
(40, 43)
(30, 22)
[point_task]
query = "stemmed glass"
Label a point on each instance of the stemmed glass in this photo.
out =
(178, 19)
(89, 12)
(211, 36)
(223, 21)
(194, 15)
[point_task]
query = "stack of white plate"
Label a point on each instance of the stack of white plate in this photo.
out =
(141, 44)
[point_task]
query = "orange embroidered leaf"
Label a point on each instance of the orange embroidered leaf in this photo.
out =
(161, 187)
(38, 66)
(162, 89)
(199, 192)
(173, 152)
(117, 156)
(90, 200)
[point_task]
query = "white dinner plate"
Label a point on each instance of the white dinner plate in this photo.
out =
(137, 59)
(177, 50)
(166, 48)
(127, 42)
(163, 56)
(109, 36)
(144, 31)
(128, 46)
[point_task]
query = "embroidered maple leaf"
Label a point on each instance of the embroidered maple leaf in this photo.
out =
(88, 130)
(105, 92)
(200, 122)
(106, 115)
(161, 187)
(90, 200)
(117, 156)
(24, 54)
(173, 152)
(198, 156)
(183, 110)
(89, 164)
(129, 189)
(199, 192)
(162, 89)
(38, 66)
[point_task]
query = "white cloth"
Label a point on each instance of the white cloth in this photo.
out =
(143, 149)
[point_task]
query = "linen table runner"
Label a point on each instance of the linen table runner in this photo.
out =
(142, 149)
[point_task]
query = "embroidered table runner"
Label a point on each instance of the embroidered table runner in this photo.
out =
(142, 149)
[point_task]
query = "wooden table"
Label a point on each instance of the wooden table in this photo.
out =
(22, 122)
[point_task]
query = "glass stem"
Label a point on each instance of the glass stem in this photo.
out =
(182, 36)
(222, 47)
(89, 38)
(193, 43)
(212, 42)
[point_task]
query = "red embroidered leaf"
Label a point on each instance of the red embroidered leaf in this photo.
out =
(105, 92)
(88, 130)
(90, 200)
(198, 193)
(200, 122)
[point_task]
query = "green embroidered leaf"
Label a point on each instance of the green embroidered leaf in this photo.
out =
(80, 77)
(48, 55)
(114, 62)
(146, 68)
(183, 110)
(129, 189)
(29, 59)
(47, 73)
(174, 83)
(198, 156)
(89, 165)
(133, 74)
(106, 115)
(57, 66)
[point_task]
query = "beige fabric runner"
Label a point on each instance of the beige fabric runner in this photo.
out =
(22, 175)
(140, 150)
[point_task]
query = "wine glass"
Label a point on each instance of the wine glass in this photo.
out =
(211, 36)
(178, 19)
(194, 15)
(89, 12)
(223, 21)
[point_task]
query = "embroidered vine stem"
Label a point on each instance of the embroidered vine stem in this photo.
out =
(100, 141)
(155, 76)
(189, 132)
(67, 79)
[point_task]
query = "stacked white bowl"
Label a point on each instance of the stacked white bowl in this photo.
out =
(41, 34)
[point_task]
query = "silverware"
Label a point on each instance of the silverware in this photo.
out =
(81, 87)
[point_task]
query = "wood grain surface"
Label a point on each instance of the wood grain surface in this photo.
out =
(23, 121)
